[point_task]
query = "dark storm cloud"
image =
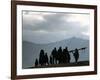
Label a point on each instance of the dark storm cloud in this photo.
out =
(51, 27)
(52, 22)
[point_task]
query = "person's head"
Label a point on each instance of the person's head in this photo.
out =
(76, 49)
(66, 48)
(55, 48)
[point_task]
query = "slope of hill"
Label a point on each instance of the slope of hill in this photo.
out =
(31, 50)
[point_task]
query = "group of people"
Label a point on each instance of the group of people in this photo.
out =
(43, 59)
(60, 56)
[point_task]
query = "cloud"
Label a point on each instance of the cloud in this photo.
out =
(43, 27)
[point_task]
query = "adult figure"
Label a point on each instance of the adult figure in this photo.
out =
(67, 55)
(41, 58)
(60, 55)
(46, 59)
(64, 56)
(76, 55)
(54, 56)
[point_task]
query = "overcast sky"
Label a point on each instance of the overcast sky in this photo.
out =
(47, 27)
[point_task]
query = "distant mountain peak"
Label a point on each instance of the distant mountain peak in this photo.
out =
(77, 38)
(31, 50)
(65, 40)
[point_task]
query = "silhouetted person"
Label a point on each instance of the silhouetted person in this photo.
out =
(67, 55)
(64, 56)
(46, 59)
(76, 55)
(36, 62)
(54, 54)
(41, 57)
(51, 60)
(60, 55)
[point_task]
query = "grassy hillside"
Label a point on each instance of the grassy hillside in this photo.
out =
(81, 63)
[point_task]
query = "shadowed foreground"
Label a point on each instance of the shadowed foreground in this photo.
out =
(81, 63)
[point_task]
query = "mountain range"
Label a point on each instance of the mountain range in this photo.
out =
(31, 51)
